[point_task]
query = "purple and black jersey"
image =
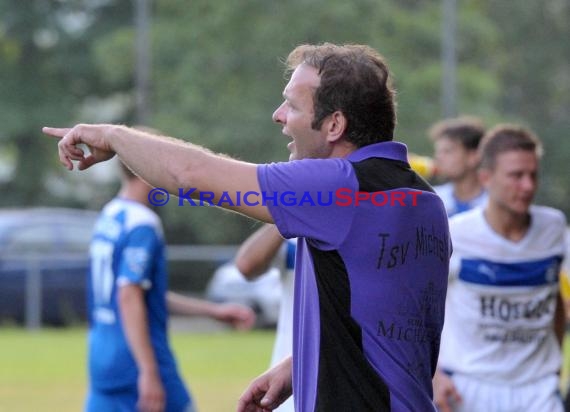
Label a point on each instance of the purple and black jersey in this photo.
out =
(370, 279)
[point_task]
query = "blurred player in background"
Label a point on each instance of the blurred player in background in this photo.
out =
(262, 249)
(131, 365)
(504, 321)
(456, 160)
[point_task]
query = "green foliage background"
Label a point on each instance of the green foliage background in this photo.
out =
(217, 76)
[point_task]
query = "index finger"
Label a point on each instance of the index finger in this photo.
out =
(248, 401)
(56, 131)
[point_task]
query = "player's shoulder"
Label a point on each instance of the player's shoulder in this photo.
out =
(330, 166)
(548, 225)
(545, 215)
(469, 230)
(138, 215)
(445, 189)
(308, 174)
(466, 219)
(143, 216)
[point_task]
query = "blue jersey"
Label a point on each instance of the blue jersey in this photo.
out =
(128, 248)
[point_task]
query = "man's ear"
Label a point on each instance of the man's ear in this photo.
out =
(335, 126)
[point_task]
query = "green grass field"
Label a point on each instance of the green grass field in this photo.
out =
(45, 370)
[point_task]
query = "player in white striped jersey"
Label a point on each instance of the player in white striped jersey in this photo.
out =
(500, 348)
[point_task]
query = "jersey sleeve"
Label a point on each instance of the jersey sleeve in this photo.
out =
(137, 257)
(301, 197)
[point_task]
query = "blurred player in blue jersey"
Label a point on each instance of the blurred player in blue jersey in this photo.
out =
(504, 320)
(131, 365)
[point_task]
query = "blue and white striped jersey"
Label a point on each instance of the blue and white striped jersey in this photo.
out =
(502, 298)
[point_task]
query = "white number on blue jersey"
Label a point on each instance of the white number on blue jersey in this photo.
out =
(102, 280)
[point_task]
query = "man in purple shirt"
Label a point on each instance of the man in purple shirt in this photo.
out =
(373, 253)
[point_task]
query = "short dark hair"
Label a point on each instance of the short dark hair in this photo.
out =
(506, 138)
(467, 130)
(355, 80)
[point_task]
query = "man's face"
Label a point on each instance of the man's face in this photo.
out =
(296, 115)
(453, 161)
(512, 183)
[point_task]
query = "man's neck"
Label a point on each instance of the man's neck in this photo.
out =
(507, 224)
(135, 191)
(342, 148)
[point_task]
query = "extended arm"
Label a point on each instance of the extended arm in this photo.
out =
(238, 316)
(163, 162)
(135, 323)
(258, 251)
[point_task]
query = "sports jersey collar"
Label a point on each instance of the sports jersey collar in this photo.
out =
(387, 150)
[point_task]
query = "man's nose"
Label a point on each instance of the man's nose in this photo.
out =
(278, 114)
(528, 182)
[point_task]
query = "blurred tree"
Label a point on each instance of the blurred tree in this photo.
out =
(217, 77)
(46, 74)
(534, 71)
